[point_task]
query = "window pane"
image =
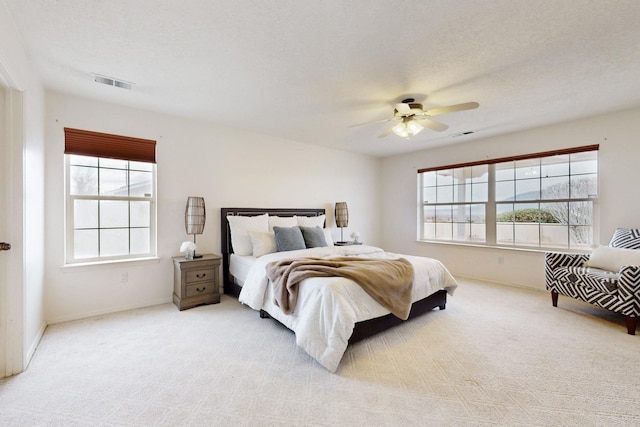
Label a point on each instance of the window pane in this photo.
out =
(504, 234)
(430, 195)
(584, 186)
(113, 163)
(444, 231)
(586, 162)
(445, 194)
(580, 213)
(140, 214)
(504, 212)
(83, 160)
(528, 189)
(462, 193)
(505, 171)
(85, 213)
(444, 177)
(527, 169)
(141, 184)
(140, 241)
(580, 237)
(527, 234)
(505, 190)
(443, 214)
(555, 188)
(429, 179)
(554, 166)
(114, 214)
(85, 244)
(114, 242)
(480, 192)
(83, 180)
(554, 235)
(480, 173)
(113, 182)
(141, 166)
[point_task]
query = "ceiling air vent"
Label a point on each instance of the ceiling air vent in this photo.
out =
(111, 81)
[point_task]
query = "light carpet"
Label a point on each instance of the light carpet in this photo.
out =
(496, 356)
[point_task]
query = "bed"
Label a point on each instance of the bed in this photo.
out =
(331, 313)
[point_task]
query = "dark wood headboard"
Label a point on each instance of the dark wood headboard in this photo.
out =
(225, 235)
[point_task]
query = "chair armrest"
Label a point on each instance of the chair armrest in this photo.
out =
(553, 260)
(629, 283)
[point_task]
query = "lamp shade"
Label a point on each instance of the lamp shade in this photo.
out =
(342, 214)
(195, 215)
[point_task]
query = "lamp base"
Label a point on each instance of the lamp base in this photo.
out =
(197, 256)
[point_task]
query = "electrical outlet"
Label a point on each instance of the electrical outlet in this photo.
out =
(124, 277)
(500, 260)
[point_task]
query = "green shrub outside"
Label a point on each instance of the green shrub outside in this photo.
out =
(528, 215)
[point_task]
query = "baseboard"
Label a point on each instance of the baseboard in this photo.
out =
(95, 313)
(34, 345)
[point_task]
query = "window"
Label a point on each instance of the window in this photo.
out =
(543, 200)
(110, 210)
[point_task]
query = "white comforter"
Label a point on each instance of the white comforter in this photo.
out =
(328, 308)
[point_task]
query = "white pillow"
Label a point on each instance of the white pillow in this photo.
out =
(327, 236)
(310, 221)
(263, 243)
(612, 259)
(282, 221)
(240, 227)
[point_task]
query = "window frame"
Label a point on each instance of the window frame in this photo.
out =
(492, 204)
(103, 146)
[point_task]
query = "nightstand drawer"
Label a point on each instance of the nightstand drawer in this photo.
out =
(200, 275)
(200, 289)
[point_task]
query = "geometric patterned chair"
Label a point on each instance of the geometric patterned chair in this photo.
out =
(609, 277)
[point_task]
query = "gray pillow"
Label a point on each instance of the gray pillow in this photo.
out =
(288, 238)
(313, 237)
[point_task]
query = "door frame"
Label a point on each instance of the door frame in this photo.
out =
(12, 292)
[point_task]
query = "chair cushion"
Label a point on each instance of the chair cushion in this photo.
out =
(612, 259)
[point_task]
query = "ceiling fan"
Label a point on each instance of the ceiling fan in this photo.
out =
(412, 118)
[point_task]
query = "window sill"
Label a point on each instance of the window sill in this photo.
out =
(106, 264)
(507, 248)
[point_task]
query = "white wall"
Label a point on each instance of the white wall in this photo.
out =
(228, 167)
(26, 137)
(619, 206)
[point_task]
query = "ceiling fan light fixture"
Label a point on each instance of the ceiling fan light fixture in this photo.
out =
(401, 130)
(414, 127)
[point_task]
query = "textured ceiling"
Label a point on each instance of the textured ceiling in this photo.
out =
(307, 70)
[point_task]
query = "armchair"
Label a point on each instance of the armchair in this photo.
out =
(609, 277)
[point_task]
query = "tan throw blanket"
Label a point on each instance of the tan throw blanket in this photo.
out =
(388, 281)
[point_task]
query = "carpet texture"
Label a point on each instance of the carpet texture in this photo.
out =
(496, 356)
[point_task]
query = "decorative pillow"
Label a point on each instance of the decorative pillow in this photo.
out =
(628, 238)
(288, 238)
(282, 221)
(311, 221)
(327, 236)
(313, 237)
(263, 243)
(612, 259)
(240, 227)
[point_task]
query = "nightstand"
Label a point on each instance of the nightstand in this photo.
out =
(195, 281)
(351, 243)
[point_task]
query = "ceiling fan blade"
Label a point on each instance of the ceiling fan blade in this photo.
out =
(431, 124)
(452, 109)
(370, 123)
(386, 132)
